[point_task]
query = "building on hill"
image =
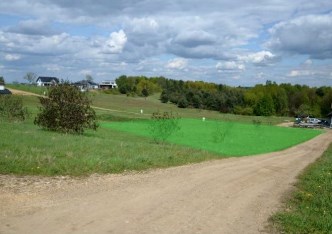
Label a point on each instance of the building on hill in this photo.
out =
(3, 90)
(108, 84)
(85, 85)
(47, 81)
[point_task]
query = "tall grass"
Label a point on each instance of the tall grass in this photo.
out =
(309, 209)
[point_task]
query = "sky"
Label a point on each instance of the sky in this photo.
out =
(237, 43)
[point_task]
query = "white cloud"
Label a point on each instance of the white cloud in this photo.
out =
(100, 35)
(301, 73)
(115, 43)
(43, 45)
(308, 35)
(143, 25)
(12, 57)
(230, 66)
(85, 72)
(261, 58)
(177, 63)
(53, 67)
(308, 62)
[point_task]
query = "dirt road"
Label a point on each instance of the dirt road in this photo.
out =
(20, 92)
(235, 195)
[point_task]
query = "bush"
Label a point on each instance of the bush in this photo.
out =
(265, 106)
(11, 108)
(183, 103)
(164, 97)
(67, 110)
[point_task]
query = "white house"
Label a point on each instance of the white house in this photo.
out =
(85, 85)
(47, 81)
(108, 84)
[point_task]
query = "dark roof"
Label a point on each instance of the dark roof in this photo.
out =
(329, 114)
(48, 79)
(85, 82)
(5, 91)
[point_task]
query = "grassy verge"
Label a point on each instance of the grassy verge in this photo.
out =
(27, 150)
(225, 138)
(309, 209)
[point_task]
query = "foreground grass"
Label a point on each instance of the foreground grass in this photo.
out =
(25, 149)
(309, 209)
(225, 138)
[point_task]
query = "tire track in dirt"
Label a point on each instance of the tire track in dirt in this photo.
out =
(235, 195)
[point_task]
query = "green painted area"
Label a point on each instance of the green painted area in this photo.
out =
(225, 138)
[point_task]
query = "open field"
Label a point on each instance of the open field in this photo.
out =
(113, 106)
(225, 138)
(133, 105)
(30, 150)
(27, 149)
(234, 195)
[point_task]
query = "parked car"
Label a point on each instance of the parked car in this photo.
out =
(324, 122)
(314, 120)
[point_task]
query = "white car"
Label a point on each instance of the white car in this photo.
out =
(314, 120)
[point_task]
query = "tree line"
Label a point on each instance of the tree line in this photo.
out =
(270, 99)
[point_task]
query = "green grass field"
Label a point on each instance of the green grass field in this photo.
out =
(224, 138)
(27, 149)
(123, 142)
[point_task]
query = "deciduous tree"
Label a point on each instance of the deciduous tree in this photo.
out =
(30, 77)
(67, 110)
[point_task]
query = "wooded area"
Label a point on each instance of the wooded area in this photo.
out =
(261, 100)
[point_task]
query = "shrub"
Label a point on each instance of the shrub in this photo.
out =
(67, 110)
(12, 109)
(163, 125)
(183, 103)
(145, 92)
(265, 106)
(164, 97)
